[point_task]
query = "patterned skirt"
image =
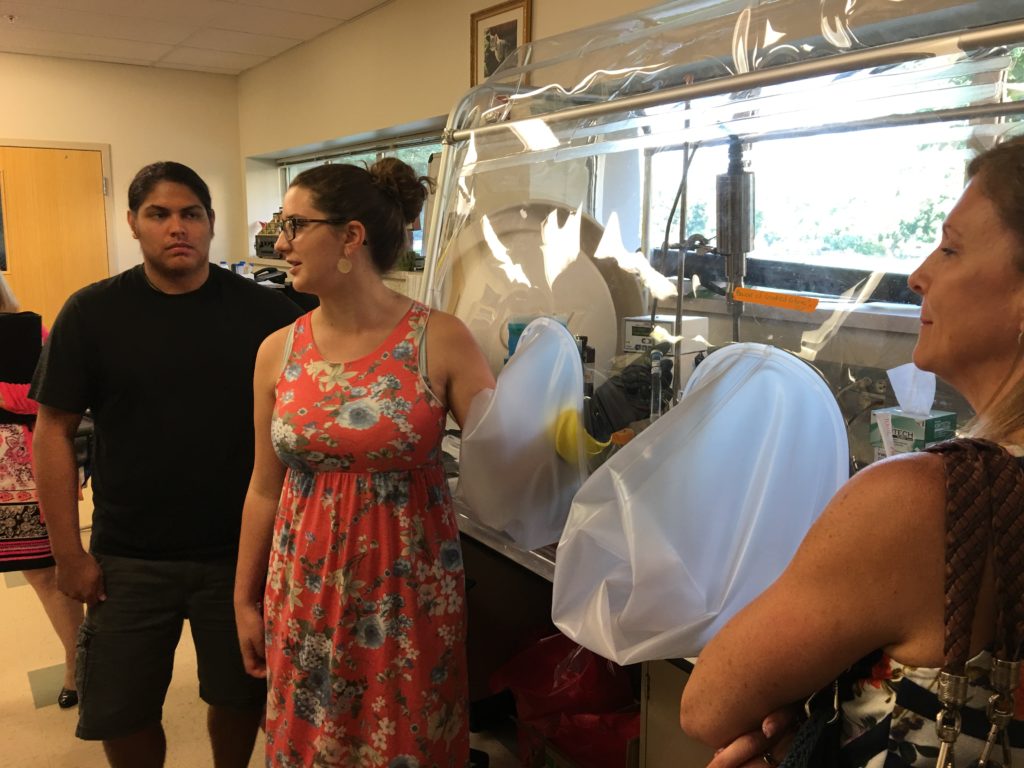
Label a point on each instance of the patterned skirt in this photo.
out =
(23, 542)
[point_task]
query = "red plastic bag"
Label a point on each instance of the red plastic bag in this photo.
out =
(556, 676)
(596, 740)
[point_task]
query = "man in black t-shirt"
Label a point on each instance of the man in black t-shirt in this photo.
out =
(163, 356)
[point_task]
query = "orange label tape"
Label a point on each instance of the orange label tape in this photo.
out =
(772, 299)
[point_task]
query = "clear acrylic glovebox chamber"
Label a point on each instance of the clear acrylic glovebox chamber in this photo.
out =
(776, 167)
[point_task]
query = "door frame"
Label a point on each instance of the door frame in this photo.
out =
(108, 183)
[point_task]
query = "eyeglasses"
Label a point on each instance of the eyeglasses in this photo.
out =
(293, 224)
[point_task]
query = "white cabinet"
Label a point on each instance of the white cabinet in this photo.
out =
(407, 283)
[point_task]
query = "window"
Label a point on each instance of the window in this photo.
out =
(873, 200)
(415, 152)
(856, 198)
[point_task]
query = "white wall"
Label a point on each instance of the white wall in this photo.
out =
(402, 63)
(144, 115)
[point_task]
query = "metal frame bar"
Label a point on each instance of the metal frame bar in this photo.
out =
(889, 54)
(999, 34)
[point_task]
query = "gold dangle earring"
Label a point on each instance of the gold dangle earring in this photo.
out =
(344, 264)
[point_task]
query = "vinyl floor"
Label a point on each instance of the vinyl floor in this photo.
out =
(36, 733)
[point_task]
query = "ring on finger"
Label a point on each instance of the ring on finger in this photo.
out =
(769, 759)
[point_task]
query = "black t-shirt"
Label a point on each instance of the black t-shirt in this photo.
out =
(22, 334)
(168, 378)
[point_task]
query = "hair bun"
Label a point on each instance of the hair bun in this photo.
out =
(397, 181)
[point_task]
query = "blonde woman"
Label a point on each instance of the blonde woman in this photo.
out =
(868, 580)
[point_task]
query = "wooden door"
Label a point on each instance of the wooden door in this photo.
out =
(55, 224)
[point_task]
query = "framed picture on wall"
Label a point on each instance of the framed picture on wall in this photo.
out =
(494, 33)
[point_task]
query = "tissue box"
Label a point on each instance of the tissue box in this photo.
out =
(912, 432)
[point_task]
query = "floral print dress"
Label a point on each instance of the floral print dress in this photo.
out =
(24, 544)
(23, 541)
(890, 721)
(364, 606)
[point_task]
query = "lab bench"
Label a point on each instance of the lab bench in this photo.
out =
(509, 602)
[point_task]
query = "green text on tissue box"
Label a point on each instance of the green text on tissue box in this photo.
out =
(912, 432)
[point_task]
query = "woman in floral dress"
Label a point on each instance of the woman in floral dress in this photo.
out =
(350, 591)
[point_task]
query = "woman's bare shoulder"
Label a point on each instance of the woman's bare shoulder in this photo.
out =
(883, 525)
(448, 336)
(270, 357)
(446, 325)
(904, 480)
(274, 343)
(915, 467)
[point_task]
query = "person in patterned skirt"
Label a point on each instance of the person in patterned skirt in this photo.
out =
(24, 545)
(349, 595)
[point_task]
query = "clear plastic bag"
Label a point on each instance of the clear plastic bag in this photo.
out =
(703, 510)
(522, 453)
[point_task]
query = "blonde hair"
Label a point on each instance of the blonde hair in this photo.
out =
(8, 303)
(1002, 421)
(999, 173)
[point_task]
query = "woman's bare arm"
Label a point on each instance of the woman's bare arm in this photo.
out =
(259, 510)
(456, 363)
(867, 576)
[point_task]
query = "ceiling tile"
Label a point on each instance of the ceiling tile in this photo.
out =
(198, 57)
(66, 45)
(207, 68)
(30, 16)
(270, 21)
(341, 10)
(84, 56)
(238, 42)
(188, 12)
(225, 36)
